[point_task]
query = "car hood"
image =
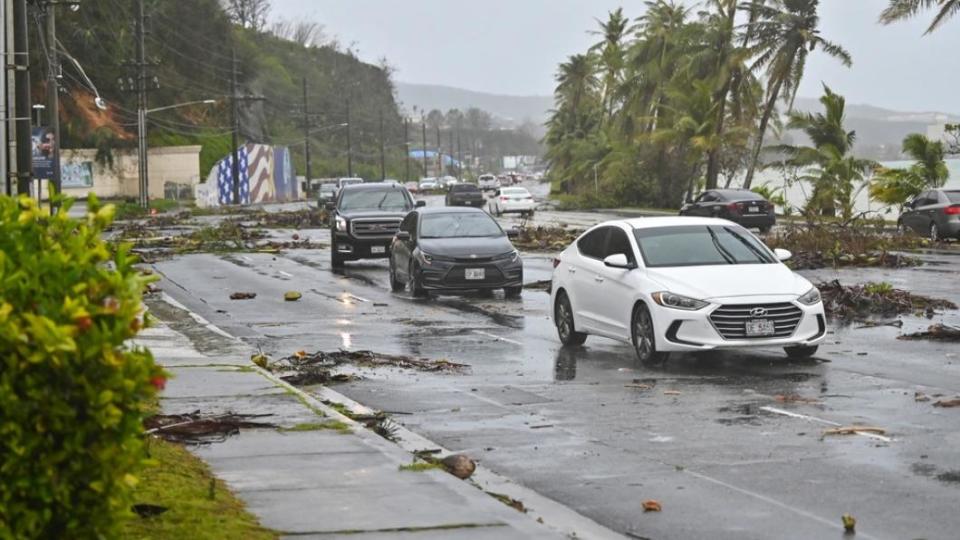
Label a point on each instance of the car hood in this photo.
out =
(724, 281)
(466, 247)
(354, 214)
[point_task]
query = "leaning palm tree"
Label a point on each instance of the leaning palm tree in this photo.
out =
(785, 33)
(610, 57)
(929, 171)
(899, 10)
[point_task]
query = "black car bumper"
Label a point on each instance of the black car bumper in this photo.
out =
(453, 276)
(351, 248)
(754, 220)
(461, 202)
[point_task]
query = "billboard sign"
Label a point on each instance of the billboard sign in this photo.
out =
(44, 145)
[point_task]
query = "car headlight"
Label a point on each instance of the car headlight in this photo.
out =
(513, 256)
(341, 224)
(676, 301)
(810, 298)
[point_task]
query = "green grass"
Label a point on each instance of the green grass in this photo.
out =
(183, 484)
(421, 466)
(335, 425)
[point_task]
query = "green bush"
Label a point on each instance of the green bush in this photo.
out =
(73, 394)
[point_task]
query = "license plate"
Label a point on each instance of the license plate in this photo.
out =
(475, 273)
(760, 327)
(378, 249)
(754, 210)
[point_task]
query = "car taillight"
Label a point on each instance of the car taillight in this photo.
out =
(952, 210)
(556, 262)
(732, 207)
(504, 198)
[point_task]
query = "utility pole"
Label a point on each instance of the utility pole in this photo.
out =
(53, 97)
(459, 156)
(423, 124)
(235, 128)
(24, 135)
(306, 130)
(142, 107)
(406, 147)
(383, 159)
(349, 142)
(439, 154)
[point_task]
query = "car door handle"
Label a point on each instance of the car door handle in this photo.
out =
(572, 270)
(598, 279)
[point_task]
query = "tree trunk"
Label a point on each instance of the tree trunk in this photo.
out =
(713, 159)
(764, 120)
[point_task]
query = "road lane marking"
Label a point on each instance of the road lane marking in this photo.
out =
(285, 274)
(830, 423)
(496, 337)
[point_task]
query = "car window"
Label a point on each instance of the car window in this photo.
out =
(743, 195)
(700, 245)
(593, 244)
(952, 196)
(618, 242)
(369, 199)
(707, 197)
(464, 188)
(459, 225)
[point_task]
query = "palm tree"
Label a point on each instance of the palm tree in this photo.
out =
(785, 33)
(610, 51)
(899, 10)
(897, 186)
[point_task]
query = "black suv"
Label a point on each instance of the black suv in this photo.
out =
(465, 195)
(364, 219)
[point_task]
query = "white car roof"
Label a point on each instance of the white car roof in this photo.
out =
(671, 221)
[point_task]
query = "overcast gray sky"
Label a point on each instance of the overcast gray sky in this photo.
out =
(514, 46)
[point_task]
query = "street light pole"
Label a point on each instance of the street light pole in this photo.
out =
(383, 159)
(53, 97)
(423, 124)
(349, 142)
(306, 131)
(406, 147)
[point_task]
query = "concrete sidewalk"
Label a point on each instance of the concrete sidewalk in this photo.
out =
(317, 483)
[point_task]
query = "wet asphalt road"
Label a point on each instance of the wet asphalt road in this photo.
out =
(724, 457)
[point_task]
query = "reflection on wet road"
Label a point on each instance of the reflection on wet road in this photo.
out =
(730, 443)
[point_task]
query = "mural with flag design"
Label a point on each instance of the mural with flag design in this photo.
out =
(266, 175)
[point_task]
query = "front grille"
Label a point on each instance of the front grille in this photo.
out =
(457, 276)
(374, 228)
(731, 320)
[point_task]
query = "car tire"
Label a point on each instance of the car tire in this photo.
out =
(934, 232)
(766, 229)
(395, 284)
(644, 340)
(414, 284)
(801, 352)
(336, 260)
(513, 292)
(563, 318)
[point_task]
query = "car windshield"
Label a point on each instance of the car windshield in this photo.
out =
(368, 199)
(459, 225)
(464, 188)
(700, 245)
(952, 196)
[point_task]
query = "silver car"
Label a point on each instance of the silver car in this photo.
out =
(934, 213)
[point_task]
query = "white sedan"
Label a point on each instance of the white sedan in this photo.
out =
(512, 200)
(683, 284)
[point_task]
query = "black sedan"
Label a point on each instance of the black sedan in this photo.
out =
(740, 206)
(935, 213)
(454, 249)
(465, 195)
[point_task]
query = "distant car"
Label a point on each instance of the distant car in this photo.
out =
(428, 184)
(488, 182)
(465, 195)
(448, 181)
(342, 182)
(512, 200)
(934, 213)
(412, 187)
(364, 219)
(668, 284)
(454, 249)
(326, 192)
(741, 206)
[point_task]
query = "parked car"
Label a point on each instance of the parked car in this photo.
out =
(454, 249)
(465, 195)
(512, 200)
(427, 184)
(326, 192)
(365, 218)
(343, 182)
(448, 181)
(412, 187)
(683, 284)
(935, 213)
(740, 206)
(488, 182)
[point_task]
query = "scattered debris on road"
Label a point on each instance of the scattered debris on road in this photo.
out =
(920, 397)
(195, 428)
(858, 302)
(295, 219)
(545, 285)
(651, 505)
(936, 332)
(861, 243)
(543, 238)
(243, 296)
(509, 501)
(305, 369)
(849, 523)
(947, 403)
(459, 465)
(793, 398)
(671, 392)
(853, 430)
(292, 296)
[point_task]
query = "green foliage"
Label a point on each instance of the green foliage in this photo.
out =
(878, 288)
(772, 194)
(897, 186)
(72, 391)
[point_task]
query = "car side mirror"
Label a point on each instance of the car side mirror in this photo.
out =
(619, 260)
(403, 236)
(782, 254)
(421, 204)
(513, 232)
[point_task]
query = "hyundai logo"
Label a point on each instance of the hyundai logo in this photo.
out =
(758, 312)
